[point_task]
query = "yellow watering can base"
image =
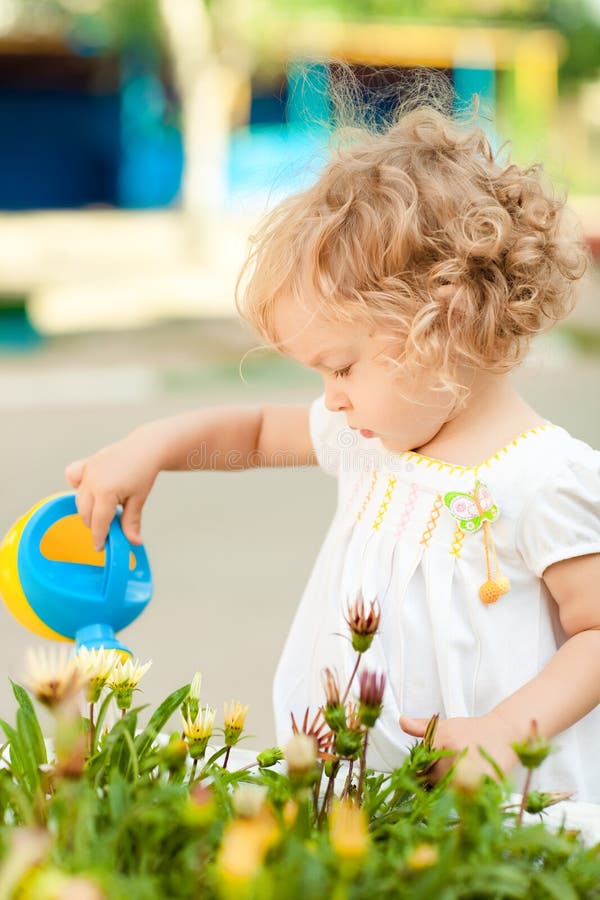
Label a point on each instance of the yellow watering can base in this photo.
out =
(12, 592)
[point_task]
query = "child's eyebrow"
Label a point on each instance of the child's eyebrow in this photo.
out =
(322, 356)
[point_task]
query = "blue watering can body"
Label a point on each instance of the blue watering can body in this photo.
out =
(50, 574)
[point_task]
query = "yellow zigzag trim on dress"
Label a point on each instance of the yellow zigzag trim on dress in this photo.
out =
(441, 466)
(457, 541)
(385, 502)
(433, 518)
(368, 497)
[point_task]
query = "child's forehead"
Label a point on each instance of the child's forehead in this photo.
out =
(305, 333)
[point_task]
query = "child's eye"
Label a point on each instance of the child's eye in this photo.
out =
(342, 373)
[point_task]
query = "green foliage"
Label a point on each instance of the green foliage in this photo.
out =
(136, 819)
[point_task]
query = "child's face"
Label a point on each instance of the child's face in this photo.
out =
(377, 398)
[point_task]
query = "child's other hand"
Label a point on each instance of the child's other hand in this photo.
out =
(489, 731)
(122, 473)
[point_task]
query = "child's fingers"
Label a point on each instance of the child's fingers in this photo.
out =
(416, 727)
(102, 515)
(131, 519)
(84, 502)
(74, 472)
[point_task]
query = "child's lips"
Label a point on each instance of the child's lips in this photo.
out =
(366, 433)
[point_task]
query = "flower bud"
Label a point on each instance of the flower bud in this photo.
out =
(533, 750)
(538, 801)
(191, 705)
(199, 731)
(124, 679)
(248, 800)
(52, 676)
(335, 716)
(348, 744)
(201, 809)
(372, 688)
(269, 757)
(300, 753)
(467, 777)
(290, 813)
(95, 666)
(422, 857)
(363, 622)
(234, 718)
(348, 833)
(330, 767)
(174, 754)
(333, 712)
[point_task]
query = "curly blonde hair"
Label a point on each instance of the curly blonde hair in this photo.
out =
(421, 232)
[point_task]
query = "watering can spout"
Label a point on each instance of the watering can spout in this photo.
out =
(96, 636)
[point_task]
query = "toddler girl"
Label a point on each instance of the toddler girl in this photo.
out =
(411, 276)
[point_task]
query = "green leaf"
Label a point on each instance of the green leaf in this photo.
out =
(31, 725)
(491, 880)
(27, 752)
(118, 794)
(490, 759)
(144, 741)
(115, 753)
(13, 796)
(536, 839)
(556, 885)
(10, 733)
(19, 762)
(102, 714)
(123, 732)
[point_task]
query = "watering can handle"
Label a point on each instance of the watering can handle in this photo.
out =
(117, 549)
(116, 565)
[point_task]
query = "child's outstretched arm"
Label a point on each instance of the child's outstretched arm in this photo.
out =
(225, 438)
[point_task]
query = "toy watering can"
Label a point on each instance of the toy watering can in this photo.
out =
(56, 584)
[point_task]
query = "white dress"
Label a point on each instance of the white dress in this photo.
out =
(443, 650)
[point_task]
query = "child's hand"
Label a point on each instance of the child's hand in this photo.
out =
(122, 473)
(489, 731)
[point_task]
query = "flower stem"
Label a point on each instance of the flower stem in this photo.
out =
(317, 788)
(193, 772)
(329, 792)
(363, 765)
(526, 787)
(348, 783)
(226, 760)
(92, 731)
(354, 671)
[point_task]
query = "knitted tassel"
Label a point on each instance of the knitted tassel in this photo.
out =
(474, 511)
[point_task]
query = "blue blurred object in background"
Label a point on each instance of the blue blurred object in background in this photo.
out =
(151, 159)
(85, 130)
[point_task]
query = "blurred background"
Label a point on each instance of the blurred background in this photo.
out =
(141, 142)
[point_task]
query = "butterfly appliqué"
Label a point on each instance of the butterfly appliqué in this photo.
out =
(471, 509)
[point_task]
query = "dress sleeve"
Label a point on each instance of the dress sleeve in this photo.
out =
(330, 435)
(561, 519)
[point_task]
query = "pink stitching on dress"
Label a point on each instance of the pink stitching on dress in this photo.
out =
(408, 511)
(355, 491)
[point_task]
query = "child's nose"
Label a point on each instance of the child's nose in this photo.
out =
(336, 399)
